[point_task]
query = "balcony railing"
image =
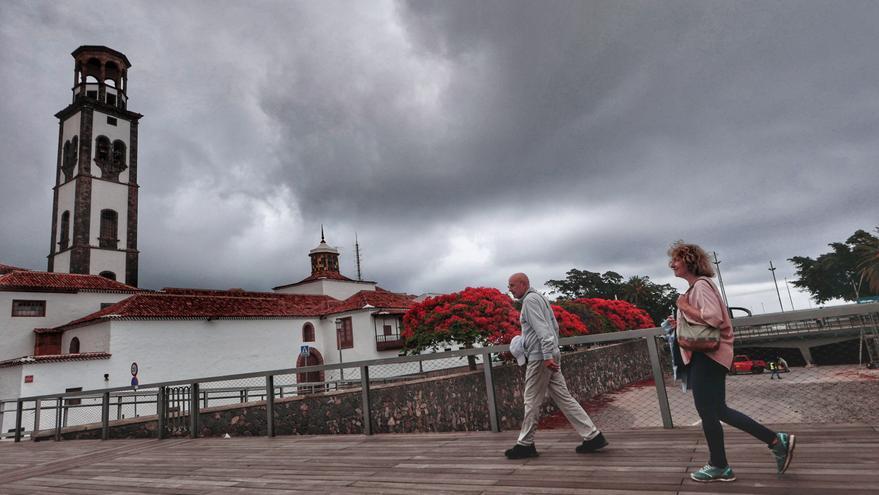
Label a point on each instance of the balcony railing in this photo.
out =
(389, 342)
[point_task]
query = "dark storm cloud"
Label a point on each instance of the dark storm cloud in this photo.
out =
(463, 141)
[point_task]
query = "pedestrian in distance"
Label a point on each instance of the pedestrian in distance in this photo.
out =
(538, 350)
(702, 305)
(775, 368)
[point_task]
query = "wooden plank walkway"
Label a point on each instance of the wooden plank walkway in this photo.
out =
(830, 459)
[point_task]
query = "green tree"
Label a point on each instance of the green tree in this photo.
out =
(868, 254)
(657, 300)
(583, 283)
(841, 273)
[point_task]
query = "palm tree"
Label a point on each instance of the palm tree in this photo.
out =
(636, 289)
(869, 263)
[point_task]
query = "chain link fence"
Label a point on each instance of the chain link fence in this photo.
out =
(810, 367)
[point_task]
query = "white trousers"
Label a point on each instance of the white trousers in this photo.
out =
(540, 380)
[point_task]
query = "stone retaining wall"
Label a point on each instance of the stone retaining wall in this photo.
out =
(438, 404)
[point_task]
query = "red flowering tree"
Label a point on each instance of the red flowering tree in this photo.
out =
(474, 315)
(569, 324)
(622, 315)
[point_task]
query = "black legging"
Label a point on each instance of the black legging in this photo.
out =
(708, 381)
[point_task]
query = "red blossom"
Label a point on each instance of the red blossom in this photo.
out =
(623, 315)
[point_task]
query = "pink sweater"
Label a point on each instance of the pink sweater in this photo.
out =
(703, 295)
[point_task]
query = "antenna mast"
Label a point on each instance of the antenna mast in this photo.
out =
(357, 255)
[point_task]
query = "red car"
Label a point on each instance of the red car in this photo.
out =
(744, 364)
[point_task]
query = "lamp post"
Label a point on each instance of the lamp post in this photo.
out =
(788, 294)
(339, 346)
(720, 279)
(855, 288)
(772, 269)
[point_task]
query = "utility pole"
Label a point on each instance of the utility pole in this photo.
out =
(720, 279)
(772, 269)
(788, 295)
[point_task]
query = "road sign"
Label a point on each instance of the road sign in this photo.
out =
(304, 351)
(133, 369)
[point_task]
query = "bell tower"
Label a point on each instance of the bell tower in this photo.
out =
(94, 215)
(324, 259)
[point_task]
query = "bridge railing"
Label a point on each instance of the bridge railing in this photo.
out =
(826, 380)
(177, 403)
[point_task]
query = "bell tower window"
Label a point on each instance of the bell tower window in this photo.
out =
(68, 158)
(109, 222)
(110, 158)
(64, 235)
(74, 346)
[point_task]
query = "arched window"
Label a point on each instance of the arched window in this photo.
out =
(308, 332)
(108, 274)
(109, 221)
(68, 158)
(74, 152)
(118, 159)
(64, 235)
(74, 345)
(102, 151)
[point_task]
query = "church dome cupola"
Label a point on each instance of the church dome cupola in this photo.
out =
(101, 74)
(324, 258)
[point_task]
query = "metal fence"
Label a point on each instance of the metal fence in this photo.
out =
(177, 403)
(809, 366)
(828, 378)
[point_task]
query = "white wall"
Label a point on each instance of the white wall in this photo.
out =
(10, 382)
(105, 259)
(93, 338)
(56, 377)
(170, 350)
(17, 333)
(62, 260)
(338, 289)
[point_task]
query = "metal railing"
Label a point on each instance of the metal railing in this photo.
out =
(174, 401)
(810, 390)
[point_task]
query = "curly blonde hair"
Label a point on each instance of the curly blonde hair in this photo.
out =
(693, 256)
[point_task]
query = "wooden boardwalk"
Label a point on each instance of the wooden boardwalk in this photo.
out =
(830, 459)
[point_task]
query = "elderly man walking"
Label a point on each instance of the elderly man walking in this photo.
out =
(540, 335)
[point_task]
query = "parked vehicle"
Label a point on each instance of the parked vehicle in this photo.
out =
(744, 364)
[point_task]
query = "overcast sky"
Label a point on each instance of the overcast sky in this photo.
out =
(462, 141)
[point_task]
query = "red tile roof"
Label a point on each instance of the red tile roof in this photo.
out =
(376, 299)
(9, 268)
(54, 358)
(29, 281)
(185, 306)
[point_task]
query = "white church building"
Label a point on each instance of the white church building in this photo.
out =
(84, 324)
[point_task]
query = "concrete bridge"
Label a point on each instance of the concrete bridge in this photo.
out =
(805, 329)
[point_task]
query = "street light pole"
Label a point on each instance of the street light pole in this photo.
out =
(720, 279)
(339, 329)
(772, 269)
(788, 294)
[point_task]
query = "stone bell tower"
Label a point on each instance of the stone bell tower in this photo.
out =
(94, 215)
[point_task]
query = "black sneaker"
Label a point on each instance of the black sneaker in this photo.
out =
(593, 445)
(521, 452)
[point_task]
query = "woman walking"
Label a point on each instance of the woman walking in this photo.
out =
(702, 305)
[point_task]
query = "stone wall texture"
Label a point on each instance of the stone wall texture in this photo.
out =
(454, 402)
